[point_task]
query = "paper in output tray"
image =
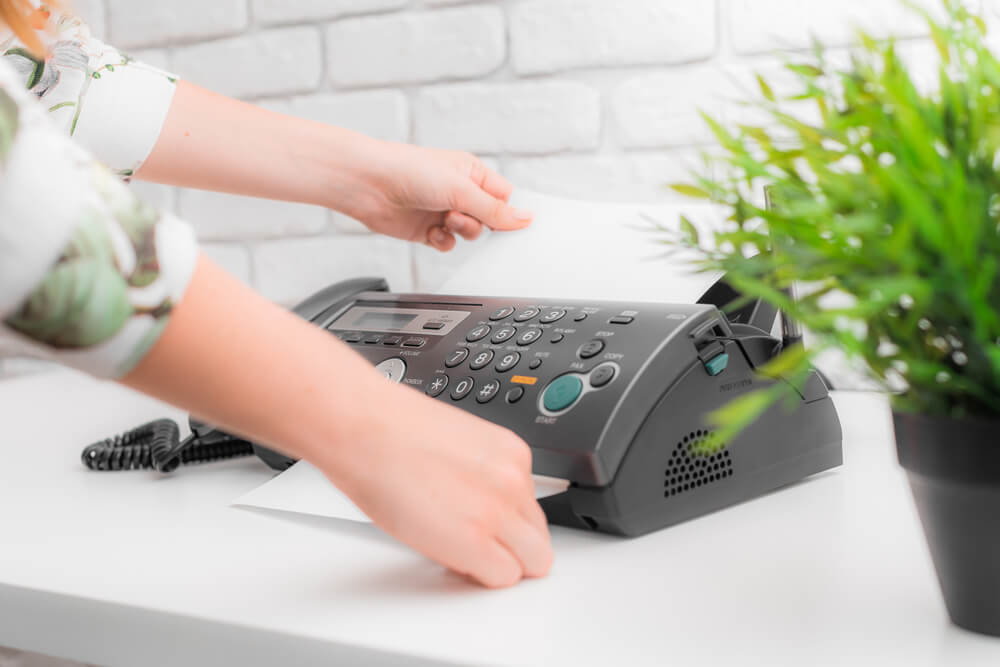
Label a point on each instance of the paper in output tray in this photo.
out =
(303, 489)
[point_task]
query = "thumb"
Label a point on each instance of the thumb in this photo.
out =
(492, 212)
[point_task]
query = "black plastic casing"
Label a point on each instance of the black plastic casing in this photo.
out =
(627, 446)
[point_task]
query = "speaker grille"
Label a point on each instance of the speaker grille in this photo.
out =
(697, 460)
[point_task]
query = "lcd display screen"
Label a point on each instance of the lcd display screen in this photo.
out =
(384, 321)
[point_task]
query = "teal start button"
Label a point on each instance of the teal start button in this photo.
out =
(562, 393)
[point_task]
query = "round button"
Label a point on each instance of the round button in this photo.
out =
(562, 393)
(515, 395)
(526, 314)
(462, 388)
(535, 363)
(529, 336)
(508, 361)
(458, 356)
(392, 369)
(550, 316)
(488, 392)
(479, 333)
(602, 375)
(501, 314)
(591, 349)
(503, 334)
(437, 386)
(580, 317)
(481, 360)
(558, 338)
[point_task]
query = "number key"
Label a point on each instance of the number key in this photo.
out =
(503, 334)
(458, 356)
(481, 360)
(479, 333)
(529, 337)
(507, 362)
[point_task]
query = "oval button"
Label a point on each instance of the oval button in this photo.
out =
(479, 333)
(481, 360)
(458, 356)
(462, 388)
(436, 386)
(507, 362)
(602, 375)
(503, 334)
(529, 337)
(526, 314)
(392, 369)
(562, 393)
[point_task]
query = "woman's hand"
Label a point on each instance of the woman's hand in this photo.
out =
(430, 196)
(454, 487)
(419, 194)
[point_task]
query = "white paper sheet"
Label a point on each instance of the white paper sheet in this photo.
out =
(586, 250)
(573, 250)
(303, 489)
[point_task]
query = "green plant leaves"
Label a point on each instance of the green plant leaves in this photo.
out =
(887, 207)
(689, 190)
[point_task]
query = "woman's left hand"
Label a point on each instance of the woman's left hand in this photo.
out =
(431, 196)
(419, 194)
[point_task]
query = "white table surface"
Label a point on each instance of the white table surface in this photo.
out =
(134, 569)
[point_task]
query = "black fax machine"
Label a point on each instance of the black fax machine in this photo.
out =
(613, 397)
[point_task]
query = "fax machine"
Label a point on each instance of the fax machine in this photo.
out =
(613, 397)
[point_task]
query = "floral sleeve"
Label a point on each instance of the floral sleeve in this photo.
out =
(88, 274)
(111, 104)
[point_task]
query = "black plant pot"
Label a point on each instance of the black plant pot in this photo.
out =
(954, 470)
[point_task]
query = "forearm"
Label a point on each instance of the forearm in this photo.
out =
(213, 142)
(243, 363)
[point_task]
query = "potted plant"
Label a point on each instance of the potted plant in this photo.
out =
(885, 215)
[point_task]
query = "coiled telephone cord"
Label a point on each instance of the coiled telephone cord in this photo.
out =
(157, 446)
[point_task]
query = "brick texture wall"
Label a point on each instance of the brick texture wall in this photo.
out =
(585, 98)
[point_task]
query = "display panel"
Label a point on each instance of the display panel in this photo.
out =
(384, 320)
(410, 320)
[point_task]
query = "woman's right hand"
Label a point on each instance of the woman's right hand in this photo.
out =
(454, 487)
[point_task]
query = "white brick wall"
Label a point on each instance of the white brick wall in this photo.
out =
(586, 98)
(583, 98)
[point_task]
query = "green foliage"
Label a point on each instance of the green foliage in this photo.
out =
(884, 211)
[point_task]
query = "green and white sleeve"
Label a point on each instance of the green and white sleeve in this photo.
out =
(89, 274)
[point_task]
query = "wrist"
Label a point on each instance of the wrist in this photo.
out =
(339, 166)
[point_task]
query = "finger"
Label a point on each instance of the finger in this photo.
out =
(467, 227)
(490, 181)
(468, 550)
(440, 239)
(495, 566)
(531, 547)
(533, 513)
(492, 212)
(497, 185)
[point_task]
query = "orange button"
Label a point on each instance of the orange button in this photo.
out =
(521, 379)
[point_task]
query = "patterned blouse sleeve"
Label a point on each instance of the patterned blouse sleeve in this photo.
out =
(88, 273)
(111, 104)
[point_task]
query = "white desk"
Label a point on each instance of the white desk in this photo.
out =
(132, 569)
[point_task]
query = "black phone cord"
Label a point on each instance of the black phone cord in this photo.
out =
(157, 446)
